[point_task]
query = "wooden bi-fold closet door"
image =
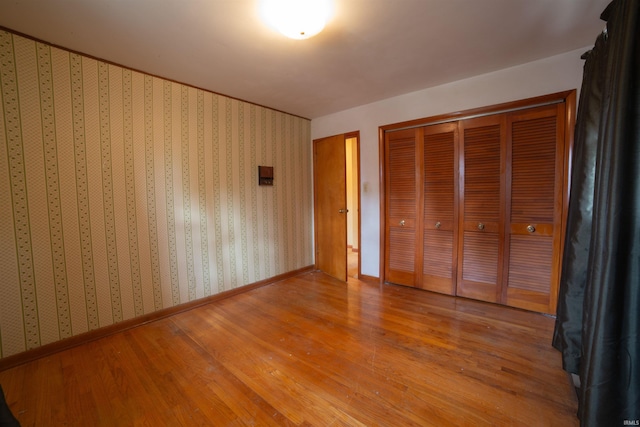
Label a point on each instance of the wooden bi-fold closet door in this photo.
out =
(533, 223)
(474, 206)
(511, 207)
(401, 207)
(440, 202)
(513, 167)
(482, 214)
(421, 207)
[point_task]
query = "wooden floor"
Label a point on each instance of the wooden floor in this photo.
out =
(308, 351)
(352, 263)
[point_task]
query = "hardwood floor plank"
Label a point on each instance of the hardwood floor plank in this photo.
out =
(308, 351)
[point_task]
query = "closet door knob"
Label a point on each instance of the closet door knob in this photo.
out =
(531, 229)
(402, 223)
(480, 226)
(438, 225)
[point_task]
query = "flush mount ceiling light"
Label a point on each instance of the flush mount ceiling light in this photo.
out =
(297, 19)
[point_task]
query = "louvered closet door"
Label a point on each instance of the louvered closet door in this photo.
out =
(533, 229)
(440, 207)
(481, 215)
(401, 204)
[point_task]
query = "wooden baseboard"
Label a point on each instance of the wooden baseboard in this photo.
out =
(67, 343)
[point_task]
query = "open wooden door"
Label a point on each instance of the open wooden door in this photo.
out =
(330, 199)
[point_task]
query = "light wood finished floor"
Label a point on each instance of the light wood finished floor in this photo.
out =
(352, 263)
(308, 351)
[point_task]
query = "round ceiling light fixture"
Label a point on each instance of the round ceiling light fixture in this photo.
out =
(296, 19)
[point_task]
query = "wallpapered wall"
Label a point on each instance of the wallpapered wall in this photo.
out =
(122, 194)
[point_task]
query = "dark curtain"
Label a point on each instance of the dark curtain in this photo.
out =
(598, 319)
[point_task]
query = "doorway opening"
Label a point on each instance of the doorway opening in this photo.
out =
(353, 205)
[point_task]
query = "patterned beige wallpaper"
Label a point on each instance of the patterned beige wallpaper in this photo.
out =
(122, 194)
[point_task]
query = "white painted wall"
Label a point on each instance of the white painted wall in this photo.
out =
(549, 75)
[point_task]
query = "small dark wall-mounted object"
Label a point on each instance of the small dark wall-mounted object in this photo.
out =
(265, 175)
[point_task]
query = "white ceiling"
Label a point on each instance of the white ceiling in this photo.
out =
(370, 50)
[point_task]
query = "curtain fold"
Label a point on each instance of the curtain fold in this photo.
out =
(598, 323)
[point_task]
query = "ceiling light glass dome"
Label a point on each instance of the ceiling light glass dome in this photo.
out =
(297, 19)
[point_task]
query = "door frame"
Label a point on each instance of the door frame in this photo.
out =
(356, 135)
